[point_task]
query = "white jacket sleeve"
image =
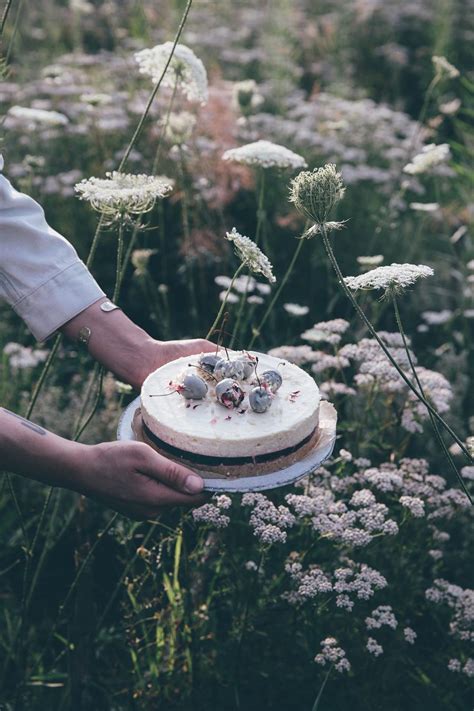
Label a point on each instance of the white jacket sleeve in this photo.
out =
(41, 275)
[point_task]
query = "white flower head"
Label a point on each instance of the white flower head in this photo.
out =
(246, 96)
(431, 155)
(443, 68)
(186, 71)
(395, 276)
(123, 193)
(265, 154)
(35, 118)
(179, 127)
(251, 255)
(369, 261)
(315, 193)
(424, 206)
(296, 309)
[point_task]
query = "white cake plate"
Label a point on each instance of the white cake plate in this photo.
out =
(312, 460)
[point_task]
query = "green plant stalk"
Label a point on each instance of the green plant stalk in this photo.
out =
(260, 216)
(320, 693)
(42, 377)
(382, 345)
(75, 582)
(187, 237)
(153, 94)
(224, 302)
(118, 273)
(3, 22)
(417, 379)
(258, 330)
(164, 127)
(14, 31)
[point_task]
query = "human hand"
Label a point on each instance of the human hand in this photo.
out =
(157, 353)
(130, 477)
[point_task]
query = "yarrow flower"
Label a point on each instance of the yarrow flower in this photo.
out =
(409, 635)
(444, 68)
(123, 193)
(395, 276)
(431, 155)
(251, 255)
(414, 505)
(332, 654)
(265, 154)
(212, 513)
(186, 71)
(374, 647)
(382, 615)
(316, 193)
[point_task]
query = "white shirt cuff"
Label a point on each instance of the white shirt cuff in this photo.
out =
(58, 300)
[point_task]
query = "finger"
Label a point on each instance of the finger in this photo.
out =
(171, 473)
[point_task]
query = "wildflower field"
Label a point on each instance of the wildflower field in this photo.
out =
(293, 177)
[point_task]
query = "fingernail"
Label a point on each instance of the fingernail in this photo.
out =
(193, 484)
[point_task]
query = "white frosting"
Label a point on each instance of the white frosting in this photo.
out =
(207, 427)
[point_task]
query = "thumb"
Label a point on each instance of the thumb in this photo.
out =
(171, 473)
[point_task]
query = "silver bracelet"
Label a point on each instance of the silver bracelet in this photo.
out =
(85, 332)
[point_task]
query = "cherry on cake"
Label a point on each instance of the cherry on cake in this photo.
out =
(230, 414)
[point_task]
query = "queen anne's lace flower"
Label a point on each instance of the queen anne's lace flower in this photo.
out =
(122, 193)
(431, 155)
(367, 262)
(251, 255)
(296, 309)
(185, 69)
(265, 154)
(395, 276)
(35, 117)
(315, 193)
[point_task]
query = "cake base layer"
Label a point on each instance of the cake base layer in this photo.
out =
(220, 468)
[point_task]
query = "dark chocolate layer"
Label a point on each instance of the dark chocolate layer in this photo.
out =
(216, 461)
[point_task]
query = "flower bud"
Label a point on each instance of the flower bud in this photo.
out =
(316, 193)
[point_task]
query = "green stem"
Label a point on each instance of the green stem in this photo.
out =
(260, 219)
(164, 127)
(82, 427)
(221, 310)
(42, 377)
(382, 345)
(3, 22)
(258, 330)
(118, 273)
(75, 582)
(323, 685)
(153, 94)
(417, 379)
(14, 31)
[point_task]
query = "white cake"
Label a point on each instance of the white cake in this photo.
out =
(238, 440)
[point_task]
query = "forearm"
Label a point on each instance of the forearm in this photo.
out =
(115, 341)
(30, 450)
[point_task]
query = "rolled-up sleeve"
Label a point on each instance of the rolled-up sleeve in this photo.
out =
(41, 275)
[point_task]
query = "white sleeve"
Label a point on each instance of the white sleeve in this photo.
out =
(41, 275)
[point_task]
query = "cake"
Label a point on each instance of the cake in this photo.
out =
(263, 418)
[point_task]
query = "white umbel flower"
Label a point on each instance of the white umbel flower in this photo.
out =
(424, 206)
(265, 154)
(296, 309)
(373, 260)
(35, 117)
(185, 68)
(395, 276)
(251, 255)
(431, 155)
(444, 68)
(122, 193)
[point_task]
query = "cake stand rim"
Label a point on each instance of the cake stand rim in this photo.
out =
(271, 480)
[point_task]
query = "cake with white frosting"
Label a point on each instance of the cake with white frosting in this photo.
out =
(229, 415)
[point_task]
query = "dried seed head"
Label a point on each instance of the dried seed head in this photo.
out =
(315, 193)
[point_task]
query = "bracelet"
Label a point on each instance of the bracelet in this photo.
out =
(85, 332)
